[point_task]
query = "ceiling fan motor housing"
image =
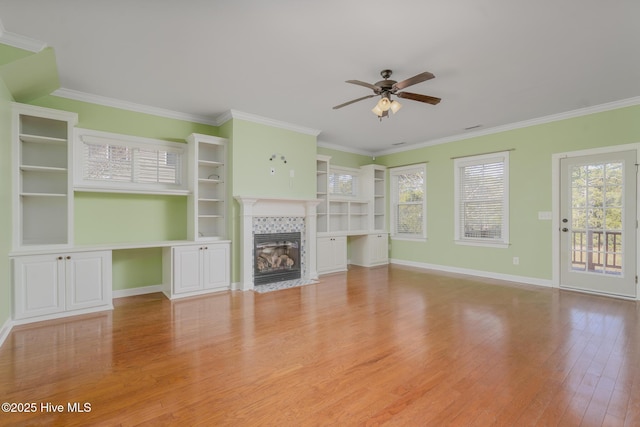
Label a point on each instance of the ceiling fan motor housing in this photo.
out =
(386, 85)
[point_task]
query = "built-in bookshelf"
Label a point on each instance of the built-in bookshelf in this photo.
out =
(373, 183)
(43, 195)
(207, 202)
(362, 214)
(322, 193)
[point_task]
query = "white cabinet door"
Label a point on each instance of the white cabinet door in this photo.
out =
(340, 253)
(370, 250)
(88, 279)
(46, 285)
(331, 254)
(216, 265)
(187, 272)
(324, 254)
(38, 285)
(198, 269)
(379, 249)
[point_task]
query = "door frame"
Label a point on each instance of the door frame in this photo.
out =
(555, 208)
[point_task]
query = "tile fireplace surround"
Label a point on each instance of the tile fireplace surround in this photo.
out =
(260, 214)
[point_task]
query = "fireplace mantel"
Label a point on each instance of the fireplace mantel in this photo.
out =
(251, 207)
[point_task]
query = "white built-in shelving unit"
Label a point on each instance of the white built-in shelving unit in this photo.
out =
(207, 202)
(42, 185)
(363, 214)
(361, 220)
(322, 193)
(53, 278)
(373, 184)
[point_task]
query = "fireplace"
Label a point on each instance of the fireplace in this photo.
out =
(277, 257)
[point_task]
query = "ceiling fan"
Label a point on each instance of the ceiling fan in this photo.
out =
(387, 87)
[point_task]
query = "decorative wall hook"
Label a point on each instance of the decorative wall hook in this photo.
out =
(273, 156)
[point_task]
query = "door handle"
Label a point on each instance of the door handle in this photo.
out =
(565, 229)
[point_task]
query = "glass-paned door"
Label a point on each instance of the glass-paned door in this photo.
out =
(598, 223)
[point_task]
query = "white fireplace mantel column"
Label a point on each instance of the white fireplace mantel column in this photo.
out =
(251, 207)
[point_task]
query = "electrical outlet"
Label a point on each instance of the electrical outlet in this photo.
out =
(292, 173)
(516, 260)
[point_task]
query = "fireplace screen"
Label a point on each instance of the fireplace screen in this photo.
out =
(277, 257)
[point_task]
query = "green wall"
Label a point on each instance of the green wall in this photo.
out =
(346, 159)
(253, 146)
(530, 190)
(5, 201)
(128, 218)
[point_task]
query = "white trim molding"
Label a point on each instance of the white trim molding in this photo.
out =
(20, 42)
(5, 330)
(143, 290)
(131, 106)
(478, 273)
(239, 115)
(343, 148)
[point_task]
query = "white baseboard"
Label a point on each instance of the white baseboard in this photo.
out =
(5, 330)
(479, 273)
(137, 291)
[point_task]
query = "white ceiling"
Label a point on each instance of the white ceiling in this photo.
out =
(496, 62)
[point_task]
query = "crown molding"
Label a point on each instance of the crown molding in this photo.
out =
(235, 114)
(629, 102)
(343, 148)
(21, 42)
(131, 106)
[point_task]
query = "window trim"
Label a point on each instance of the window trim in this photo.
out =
(462, 162)
(84, 136)
(393, 196)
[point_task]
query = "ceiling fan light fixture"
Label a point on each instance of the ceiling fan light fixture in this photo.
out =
(395, 106)
(384, 104)
(377, 110)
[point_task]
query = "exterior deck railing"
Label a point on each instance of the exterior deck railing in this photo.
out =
(596, 250)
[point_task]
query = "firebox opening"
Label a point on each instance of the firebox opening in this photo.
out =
(277, 257)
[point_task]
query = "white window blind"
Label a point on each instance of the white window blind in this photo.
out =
(130, 165)
(408, 202)
(482, 198)
(112, 162)
(343, 182)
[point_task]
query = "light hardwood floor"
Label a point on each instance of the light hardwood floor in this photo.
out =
(383, 346)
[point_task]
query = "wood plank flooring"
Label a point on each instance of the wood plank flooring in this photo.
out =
(389, 346)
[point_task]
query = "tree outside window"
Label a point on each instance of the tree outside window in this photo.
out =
(408, 199)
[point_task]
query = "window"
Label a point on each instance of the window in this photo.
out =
(343, 182)
(408, 202)
(122, 163)
(482, 199)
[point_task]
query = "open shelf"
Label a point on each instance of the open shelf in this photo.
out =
(43, 199)
(207, 204)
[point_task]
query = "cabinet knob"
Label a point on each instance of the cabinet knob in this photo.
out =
(206, 247)
(59, 258)
(68, 256)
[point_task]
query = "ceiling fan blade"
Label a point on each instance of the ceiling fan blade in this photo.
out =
(417, 97)
(375, 88)
(351, 102)
(413, 80)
